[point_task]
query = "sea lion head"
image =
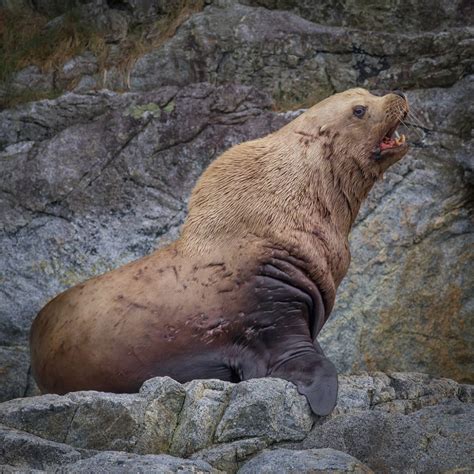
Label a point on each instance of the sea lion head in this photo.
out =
(309, 176)
(360, 126)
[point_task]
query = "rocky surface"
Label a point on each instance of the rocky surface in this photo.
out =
(382, 422)
(92, 180)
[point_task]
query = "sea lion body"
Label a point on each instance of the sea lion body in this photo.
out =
(246, 289)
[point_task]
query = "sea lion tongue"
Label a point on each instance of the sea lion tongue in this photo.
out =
(389, 142)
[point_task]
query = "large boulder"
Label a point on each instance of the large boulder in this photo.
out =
(432, 439)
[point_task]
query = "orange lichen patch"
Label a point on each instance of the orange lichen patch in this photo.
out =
(432, 336)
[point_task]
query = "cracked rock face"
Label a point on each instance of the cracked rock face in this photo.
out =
(297, 60)
(382, 422)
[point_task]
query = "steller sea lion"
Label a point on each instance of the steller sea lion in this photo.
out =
(246, 289)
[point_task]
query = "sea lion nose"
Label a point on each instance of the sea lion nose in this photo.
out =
(400, 94)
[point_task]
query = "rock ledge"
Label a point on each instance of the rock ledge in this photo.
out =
(261, 425)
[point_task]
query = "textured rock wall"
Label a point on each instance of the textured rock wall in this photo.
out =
(382, 422)
(95, 179)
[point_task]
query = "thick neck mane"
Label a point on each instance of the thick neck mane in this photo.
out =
(292, 189)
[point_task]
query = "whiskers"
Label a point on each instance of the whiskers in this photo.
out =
(413, 124)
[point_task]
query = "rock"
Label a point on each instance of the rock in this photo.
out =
(466, 393)
(124, 463)
(29, 80)
(299, 56)
(402, 16)
(14, 367)
(433, 439)
(298, 61)
(76, 70)
(105, 421)
(161, 415)
(273, 411)
(203, 408)
(395, 392)
(306, 461)
(23, 450)
(227, 426)
(47, 416)
(228, 457)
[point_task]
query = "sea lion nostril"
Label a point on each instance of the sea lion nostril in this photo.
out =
(400, 94)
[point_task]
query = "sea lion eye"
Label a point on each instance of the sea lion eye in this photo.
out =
(359, 111)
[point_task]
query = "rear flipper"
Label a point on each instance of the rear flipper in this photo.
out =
(314, 376)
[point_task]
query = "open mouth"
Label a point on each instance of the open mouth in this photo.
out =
(389, 141)
(392, 141)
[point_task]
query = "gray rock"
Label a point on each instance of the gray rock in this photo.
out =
(47, 416)
(223, 425)
(402, 16)
(105, 421)
(228, 457)
(433, 439)
(202, 410)
(394, 392)
(14, 368)
(23, 450)
(272, 410)
(4, 469)
(90, 420)
(298, 61)
(166, 398)
(466, 393)
(30, 79)
(76, 70)
(307, 461)
(124, 463)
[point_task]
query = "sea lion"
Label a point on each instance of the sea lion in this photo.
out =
(246, 289)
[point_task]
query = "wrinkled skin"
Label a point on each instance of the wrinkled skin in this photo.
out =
(246, 289)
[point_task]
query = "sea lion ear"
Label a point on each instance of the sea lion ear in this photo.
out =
(315, 377)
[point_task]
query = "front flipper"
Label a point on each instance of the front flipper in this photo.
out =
(315, 377)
